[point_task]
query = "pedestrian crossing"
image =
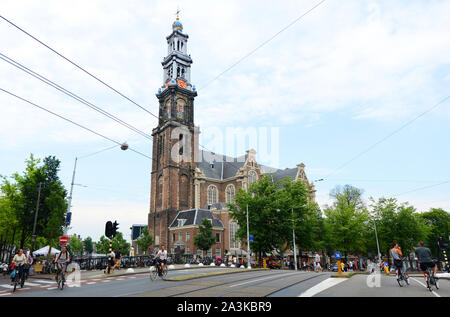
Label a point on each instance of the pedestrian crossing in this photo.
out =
(49, 285)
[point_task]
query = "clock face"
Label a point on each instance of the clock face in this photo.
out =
(180, 107)
(169, 108)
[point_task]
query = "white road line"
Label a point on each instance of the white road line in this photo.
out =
(50, 288)
(7, 286)
(90, 283)
(32, 284)
(330, 282)
(5, 294)
(435, 294)
(261, 279)
(45, 282)
(105, 281)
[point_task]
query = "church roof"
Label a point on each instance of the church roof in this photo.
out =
(218, 166)
(281, 174)
(194, 217)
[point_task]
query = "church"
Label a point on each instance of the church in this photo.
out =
(189, 184)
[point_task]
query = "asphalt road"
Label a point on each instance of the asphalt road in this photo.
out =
(243, 284)
(247, 283)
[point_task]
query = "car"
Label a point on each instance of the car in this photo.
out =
(334, 268)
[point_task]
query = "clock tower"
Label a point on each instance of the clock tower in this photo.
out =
(174, 140)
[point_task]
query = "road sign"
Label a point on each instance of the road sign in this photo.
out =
(63, 240)
(338, 255)
(250, 238)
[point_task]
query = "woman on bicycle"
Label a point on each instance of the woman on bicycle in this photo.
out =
(396, 254)
(19, 259)
(61, 260)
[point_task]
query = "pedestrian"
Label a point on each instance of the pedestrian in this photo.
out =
(112, 261)
(118, 259)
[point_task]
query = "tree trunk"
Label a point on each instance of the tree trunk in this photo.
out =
(22, 239)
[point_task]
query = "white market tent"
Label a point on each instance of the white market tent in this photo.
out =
(44, 251)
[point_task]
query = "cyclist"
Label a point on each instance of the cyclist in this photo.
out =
(61, 261)
(162, 257)
(424, 256)
(397, 262)
(18, 260)
(317, 263)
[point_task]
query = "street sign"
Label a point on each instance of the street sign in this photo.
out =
(68, 218)
(338, 255)
(63, 240)
(250, 238)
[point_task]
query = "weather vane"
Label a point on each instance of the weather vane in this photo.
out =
(178, 12)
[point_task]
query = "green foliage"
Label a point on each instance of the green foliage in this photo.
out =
(76, 246)
(102, 245)
(346, 221)
(204, 239)
(88, 245)
(401, 224)
(119, 243)
(438, 223)
(145, 240)
(274, 210)
(21, 194)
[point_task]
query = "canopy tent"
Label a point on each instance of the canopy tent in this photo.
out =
(44, 251)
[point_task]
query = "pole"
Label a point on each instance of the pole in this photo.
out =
(376, 236)
(293, 236)
(33, 236)
(249, 264)
(71, 191)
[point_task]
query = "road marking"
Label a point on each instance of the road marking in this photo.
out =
(32, 284)
(46, 282)
(50, 288)
(90, 283)
(7, 286)
(261, 279)
(5, 294)
(330, 282)
(435, 294)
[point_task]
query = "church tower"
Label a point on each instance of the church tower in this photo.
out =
(174, 140)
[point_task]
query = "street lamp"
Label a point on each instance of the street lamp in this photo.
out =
(33, 236)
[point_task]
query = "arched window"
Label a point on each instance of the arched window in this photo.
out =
(234, 242)
(212, 194)
(252, 177)
(229, 191)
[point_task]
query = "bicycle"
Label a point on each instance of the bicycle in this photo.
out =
(157, 271)
(19, 278)
(431, 280)
(60, 275)
(402, 279)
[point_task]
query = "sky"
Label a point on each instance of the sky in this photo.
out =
(335, 86)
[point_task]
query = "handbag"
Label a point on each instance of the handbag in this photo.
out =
(13, 274)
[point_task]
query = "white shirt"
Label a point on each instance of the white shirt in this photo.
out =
(162, 254)
(317, 258)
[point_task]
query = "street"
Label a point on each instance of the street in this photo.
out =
(254, 283)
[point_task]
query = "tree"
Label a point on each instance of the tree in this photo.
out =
(119, 243)
(204, 239)
(347, 220)
(103, 245)
(76, 245)
(88, 245)
(438, 222)
(397, 223)
(145, 240)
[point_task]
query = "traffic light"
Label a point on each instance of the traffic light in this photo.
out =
(68, 218)
(114, 228)
(109, 229)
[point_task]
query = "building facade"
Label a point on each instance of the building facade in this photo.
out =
(188, 184)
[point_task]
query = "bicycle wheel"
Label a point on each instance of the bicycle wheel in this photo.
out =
(22, 281)
(164, 274)
(153, 274)
(15, 283)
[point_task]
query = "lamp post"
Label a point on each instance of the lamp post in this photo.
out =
(249, 264)
(33, 236)
(293, 236)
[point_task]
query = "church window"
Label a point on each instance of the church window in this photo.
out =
(217, 251)
(178, 71)
(178, 45)
(234, 243)
(188, 237)
(252, 177)
(217, 237)
(230, 192)
(181, 45)
(160, 190)
(212, 195)
(182, 72)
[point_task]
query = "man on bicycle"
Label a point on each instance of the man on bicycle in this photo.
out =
(162, 257)
(424, 257)
(61, 261)
(396, 254)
